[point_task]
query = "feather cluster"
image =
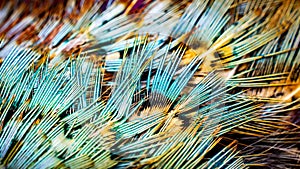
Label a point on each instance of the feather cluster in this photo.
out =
(149, 84)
